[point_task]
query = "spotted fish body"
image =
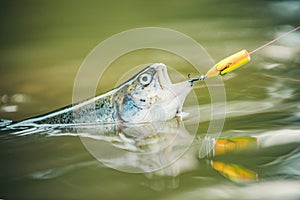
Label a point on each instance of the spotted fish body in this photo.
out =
(148, 96)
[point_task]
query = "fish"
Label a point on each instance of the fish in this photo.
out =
(148, 96)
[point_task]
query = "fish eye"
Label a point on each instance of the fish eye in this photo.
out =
(145, 79)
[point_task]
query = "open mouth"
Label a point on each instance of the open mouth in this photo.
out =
(163, 76)
(174, 94)
(179, 90)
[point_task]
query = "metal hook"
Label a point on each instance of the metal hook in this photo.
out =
(192, 80)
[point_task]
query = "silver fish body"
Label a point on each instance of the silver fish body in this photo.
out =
(148, 96)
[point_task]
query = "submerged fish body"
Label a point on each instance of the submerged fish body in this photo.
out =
(148, 96)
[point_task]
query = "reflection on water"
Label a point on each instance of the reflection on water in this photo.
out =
(168, 149)
(234, 172)
(223, 146)
(263, 190)
(139, 148)
(135, 148)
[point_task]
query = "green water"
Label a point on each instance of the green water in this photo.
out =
(43, 45)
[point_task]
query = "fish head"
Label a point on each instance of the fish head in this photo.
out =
(151, 96)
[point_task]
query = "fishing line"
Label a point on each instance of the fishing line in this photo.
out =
(234, 61)
(274, 40)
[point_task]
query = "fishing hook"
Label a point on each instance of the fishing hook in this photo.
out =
(192, 80)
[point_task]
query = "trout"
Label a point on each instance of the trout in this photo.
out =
(148, 96)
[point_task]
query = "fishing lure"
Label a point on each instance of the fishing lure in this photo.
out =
(235, 61)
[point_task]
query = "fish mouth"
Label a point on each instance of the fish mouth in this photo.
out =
(165, 82)
(163, 76)
(179, 90)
